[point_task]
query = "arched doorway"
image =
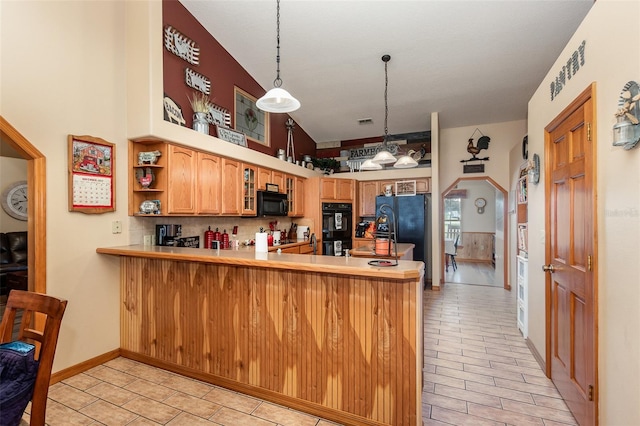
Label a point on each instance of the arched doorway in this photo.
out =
(499, 211)
(36, 193)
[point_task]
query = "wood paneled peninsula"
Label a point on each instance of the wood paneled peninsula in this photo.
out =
(331, 336)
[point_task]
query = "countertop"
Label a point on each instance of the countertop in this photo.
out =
(246, 255)
(369, 251)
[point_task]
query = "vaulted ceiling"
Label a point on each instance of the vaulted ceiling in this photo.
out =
(473, 62)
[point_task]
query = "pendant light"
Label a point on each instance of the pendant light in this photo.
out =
(278, 99)
(384, 156)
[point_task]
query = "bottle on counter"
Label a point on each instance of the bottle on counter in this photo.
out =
(270, 239)
(208, 238)
(225, 240)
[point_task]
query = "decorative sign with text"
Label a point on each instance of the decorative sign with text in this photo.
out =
(575, 61)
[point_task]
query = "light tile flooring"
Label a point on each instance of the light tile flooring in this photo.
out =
(478, 371)
(478, 368)
(472, 273)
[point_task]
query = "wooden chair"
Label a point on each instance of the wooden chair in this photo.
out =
(30, 303)
(451, 253)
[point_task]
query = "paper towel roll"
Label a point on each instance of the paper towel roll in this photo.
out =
(261, 242)
(301, 231)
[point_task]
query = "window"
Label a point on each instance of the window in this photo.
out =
(452, 217)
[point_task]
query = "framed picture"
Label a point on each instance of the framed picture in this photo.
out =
(92, 175)
(248, 119)
(272, 187)
(405, 187)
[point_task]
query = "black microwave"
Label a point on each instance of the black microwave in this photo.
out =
(272, 204)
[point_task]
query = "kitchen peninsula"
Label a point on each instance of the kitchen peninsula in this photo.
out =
(332, 336)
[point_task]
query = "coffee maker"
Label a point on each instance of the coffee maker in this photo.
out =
(167, 235)
(361, 228)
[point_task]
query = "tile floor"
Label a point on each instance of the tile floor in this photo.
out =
(472, 273)
(478, 368)
(478, 371)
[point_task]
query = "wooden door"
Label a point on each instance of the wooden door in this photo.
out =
(368, 190)
(231, 187)
(181, 183)
(209, 184)
(570, 253)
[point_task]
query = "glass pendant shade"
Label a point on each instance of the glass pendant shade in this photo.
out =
(384, 157)
(278, 100)
(370, 165)
(405, 162)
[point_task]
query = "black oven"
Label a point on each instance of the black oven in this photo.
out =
(272, 204)
(337, 228)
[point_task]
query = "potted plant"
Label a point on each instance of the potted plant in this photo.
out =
(327, 165)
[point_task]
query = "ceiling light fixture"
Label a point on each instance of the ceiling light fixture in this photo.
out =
(384, 156)
(278, 99)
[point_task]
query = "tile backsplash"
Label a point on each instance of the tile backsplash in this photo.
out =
(196, 226)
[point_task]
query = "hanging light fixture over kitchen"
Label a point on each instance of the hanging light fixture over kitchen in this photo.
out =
(384, 156)
(278, 99)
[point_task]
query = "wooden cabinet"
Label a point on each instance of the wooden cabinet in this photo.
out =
(190, 182)
(337, 189)
(264, 176)
(294, 188)
(209, 185)
(367, 192)
(181, 182)
(277, 178)
(249, 188)
(423, 186)
(156, 191)
(231, 187)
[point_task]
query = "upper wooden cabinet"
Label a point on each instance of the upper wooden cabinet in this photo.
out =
(264, 176)
(249, 189)
(231, 187)
(337, 189)
(367, 192)
(294, 188)
(181, 185)
(277, 178)
(209, 184)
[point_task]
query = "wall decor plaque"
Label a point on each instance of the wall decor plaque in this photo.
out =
(181, 46)
(232, 136)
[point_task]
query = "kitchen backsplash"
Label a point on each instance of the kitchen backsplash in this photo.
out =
(196, 226)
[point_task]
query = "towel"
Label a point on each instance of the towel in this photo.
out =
(338, 221)
(337, 248)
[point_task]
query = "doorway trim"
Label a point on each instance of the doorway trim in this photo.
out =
(505, 225)
(36, 207)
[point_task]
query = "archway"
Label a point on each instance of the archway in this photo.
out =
(501, 224)
(36, 193)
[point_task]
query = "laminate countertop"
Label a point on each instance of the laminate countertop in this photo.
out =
(246, 255)
(369, 251)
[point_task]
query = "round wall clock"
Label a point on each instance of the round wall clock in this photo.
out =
(14, 200)
(480, 203)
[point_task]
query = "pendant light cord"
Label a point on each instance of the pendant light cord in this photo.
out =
(277, 82)
(386, 59)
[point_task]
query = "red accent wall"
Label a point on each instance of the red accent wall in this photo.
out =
(224, 73)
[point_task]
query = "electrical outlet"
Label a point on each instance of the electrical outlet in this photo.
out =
(147, 240)
(116, 227)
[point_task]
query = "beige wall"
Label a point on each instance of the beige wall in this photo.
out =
(611, 60)
(63, 71)
(11, 170)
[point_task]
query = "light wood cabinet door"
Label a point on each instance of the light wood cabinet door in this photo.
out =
(277, 177)
(345, 189)
(249, 189)
(231, 187)
(328, 189)
(423, 186)
(209, 184)
(182, 180)
(299, 196)
(264, 176)
(367, 192)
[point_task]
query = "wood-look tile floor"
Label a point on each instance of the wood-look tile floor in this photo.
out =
(478, 368)
(478, 371)
(476, 273)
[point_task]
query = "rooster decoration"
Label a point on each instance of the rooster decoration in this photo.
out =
(483, 143)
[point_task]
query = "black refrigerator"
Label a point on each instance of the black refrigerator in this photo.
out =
(413, 215)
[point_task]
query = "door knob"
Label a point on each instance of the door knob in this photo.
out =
(548, 268)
